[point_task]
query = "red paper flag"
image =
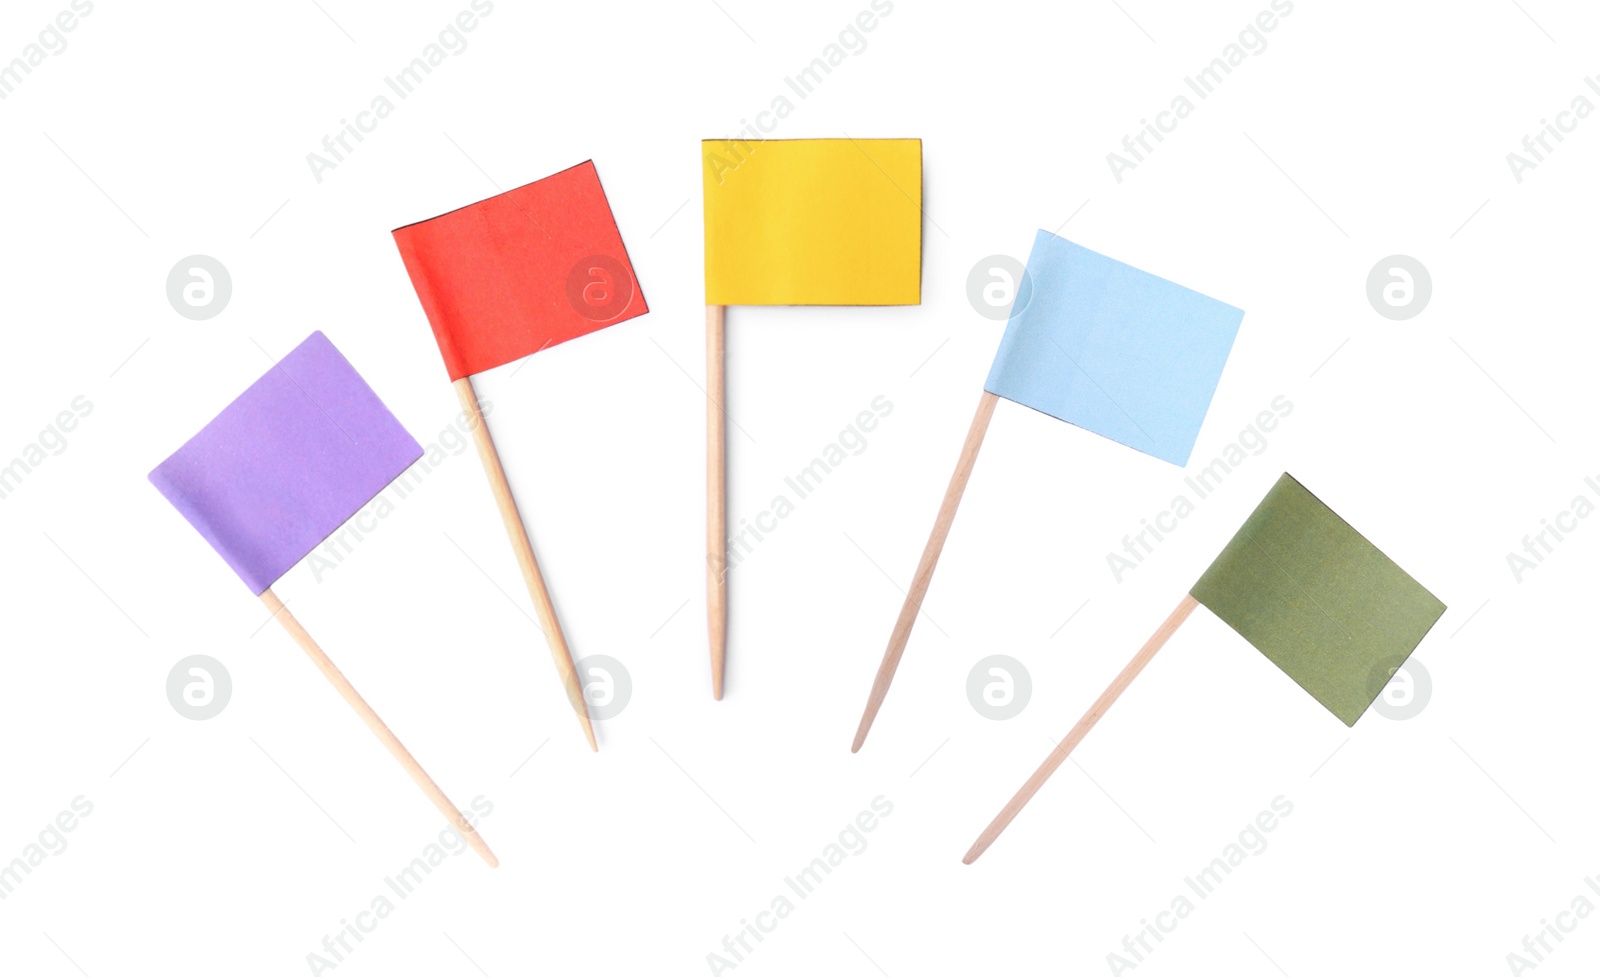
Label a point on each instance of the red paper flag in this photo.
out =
(521, 271)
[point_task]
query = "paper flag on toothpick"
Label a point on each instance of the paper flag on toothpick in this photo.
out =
(796, 222)
(813, 221)
(1316, 598)
(521, 271)
(284, 465)
(1113, 349)
(1104, 346)
(505, 278)
(1310, 593)
(280, 470)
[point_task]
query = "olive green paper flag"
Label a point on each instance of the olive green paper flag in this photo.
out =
(1310, 593)
(1316, 598)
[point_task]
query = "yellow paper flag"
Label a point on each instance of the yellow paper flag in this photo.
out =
(813, 221)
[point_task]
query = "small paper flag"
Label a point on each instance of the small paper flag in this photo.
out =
(521, 271)
(1112, 349)
(284, 465)
(813, 221)
(1316, 598)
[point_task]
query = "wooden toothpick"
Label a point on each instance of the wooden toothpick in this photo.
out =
(716, 496)
(518, 533)
(1075, 736)
(379, 729)
(924, 574)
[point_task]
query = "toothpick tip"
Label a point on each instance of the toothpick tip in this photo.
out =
(861, 738)
(477, 842)
(587, 724)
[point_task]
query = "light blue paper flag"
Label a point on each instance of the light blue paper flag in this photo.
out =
(1113, 349)
(1099, 344)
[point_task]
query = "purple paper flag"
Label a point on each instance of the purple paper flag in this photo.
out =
(284, 465)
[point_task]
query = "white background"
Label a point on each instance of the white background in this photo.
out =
(234, 845)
